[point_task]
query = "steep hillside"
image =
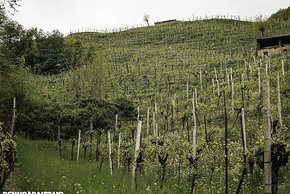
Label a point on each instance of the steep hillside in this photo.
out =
(195, 90)
(151, 54)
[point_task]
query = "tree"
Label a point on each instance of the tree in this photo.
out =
(146, 18)
(11, 3)
(4, 4)
(261, 24)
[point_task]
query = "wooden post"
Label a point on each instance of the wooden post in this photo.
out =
(228, 79)
(279, 101)
(200, 78)
(156, 121)
(116, 123)
(250, 71)
(110, 153)
(194, 126)
(195, 93)
(173, 112)
(13, 117)
(226, 147)
(138, 115)
(259, 79)
(187, 91)
(267, 138)
(243, 91)
(215, 73)
(244, 130)
(244, 151)
(79, 144)
(148, 121)
(119, 149)
(137, 147)
(283, 71)
(218, 88)
(205, 129)
(232, 89)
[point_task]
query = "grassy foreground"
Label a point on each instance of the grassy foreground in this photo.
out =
(39, 168)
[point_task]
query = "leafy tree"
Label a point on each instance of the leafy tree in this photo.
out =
(261, 24)
(50, 48)
(11, 37)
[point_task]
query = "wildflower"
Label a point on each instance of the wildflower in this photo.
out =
(148, 188)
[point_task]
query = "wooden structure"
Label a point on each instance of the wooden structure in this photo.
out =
(276, 45)
(165, 22)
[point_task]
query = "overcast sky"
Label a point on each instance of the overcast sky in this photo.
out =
(66, 15)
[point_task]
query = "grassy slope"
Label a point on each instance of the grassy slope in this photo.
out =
(178, 50)
(43, 170)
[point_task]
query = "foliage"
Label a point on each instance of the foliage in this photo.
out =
(261, 24)
(7, 155)
(71, 117)
(282, 14)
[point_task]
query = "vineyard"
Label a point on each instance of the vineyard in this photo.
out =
(176, 108)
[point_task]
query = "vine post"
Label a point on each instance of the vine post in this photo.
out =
(137, 148)
(79, 144)
(279, 101)
(226, 146)
(194, 125)
(267, 138)
(119, 149)
(13, 117)
(110, 152)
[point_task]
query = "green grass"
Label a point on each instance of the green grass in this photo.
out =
(41, 169)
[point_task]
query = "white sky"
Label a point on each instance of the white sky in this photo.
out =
(66, 15)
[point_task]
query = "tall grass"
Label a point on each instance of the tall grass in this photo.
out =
(43, 170)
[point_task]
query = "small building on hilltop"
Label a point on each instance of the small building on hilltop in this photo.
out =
(275, 45)
(165, 22)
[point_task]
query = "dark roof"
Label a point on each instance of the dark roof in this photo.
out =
(166, 21)
(273, 41)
